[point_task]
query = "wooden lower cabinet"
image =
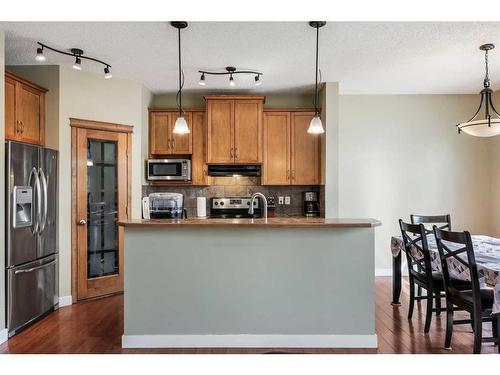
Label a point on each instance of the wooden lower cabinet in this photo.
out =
(24, 110)
(291, 155)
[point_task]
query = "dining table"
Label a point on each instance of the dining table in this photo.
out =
(486, 253)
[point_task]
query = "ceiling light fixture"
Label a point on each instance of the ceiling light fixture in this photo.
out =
(202, 80)
(316, 126)
(39, 54)
(77, 53)
(487, 127)
(231, 70)
(180, 126)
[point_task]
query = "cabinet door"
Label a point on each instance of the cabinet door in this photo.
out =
(248, 131)
(30, 113)
(11, 128)
(276, 168)
(159, 134)
(181, 143)
(305, 153)
(220, 131)
(199, 173)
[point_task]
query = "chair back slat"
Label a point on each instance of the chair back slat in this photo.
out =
(444, 220)
(453, 245)
(416, 249)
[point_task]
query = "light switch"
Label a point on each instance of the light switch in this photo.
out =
(287, 199)
(280, 200)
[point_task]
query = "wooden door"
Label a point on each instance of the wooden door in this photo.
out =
(305, 151)
(199, 173)
(101, 192)
(30, 114)
(220, 131)
(276, 166)
(181, 144)
(248, 131)
(159, 133)
(11, 125)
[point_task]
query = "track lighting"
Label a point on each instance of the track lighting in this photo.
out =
(202, 80)
(78, 64)
(39, 55)
(77, 53)
(230, 70)
(107, 73)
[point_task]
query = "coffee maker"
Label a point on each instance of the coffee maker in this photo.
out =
(311, 203)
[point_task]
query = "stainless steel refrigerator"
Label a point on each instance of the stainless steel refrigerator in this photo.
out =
(31, 234)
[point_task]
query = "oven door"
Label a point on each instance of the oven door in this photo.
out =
(169, 170)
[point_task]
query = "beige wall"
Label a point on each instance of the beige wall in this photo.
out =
(88, 96)
(46, 76)
(494, 157)
(2, 187)
(196, 100)
(400, 155)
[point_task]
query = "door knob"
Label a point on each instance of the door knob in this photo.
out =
(82, 222)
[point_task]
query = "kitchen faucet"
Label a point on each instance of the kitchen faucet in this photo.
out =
(264, 204)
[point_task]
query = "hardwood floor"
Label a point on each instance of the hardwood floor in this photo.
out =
(96, 327)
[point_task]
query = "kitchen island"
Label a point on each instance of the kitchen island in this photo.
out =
(276, 282)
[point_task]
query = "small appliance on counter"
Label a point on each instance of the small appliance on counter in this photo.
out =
(311, 203)
(163, 206)
(233, 207)
(201, 206)
(271, 206)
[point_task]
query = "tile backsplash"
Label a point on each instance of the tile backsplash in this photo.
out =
(240, 186)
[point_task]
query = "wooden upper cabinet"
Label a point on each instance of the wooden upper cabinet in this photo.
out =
(199, 173)
(162, 139)
(305, 151)
(24, 110)
(276, 168)
(234, 129)
(248, 131)
(159, 138)
(181, 144)
(220, 131)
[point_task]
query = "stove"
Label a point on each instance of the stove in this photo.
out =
(233, 207)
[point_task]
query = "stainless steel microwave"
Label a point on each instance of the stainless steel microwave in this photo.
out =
(168, 170)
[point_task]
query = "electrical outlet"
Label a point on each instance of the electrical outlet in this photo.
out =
(287, 199)
(281, 200)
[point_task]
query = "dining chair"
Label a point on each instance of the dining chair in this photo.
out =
(444, 220)
(457, 247)
(420, 270)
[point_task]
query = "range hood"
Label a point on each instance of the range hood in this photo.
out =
(218, 170)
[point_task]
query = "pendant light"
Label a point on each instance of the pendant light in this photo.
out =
(180, 126)
(316, 126)
(489, 126)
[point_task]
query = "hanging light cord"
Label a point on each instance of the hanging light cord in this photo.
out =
(487, 76)
(316, 86)
(178, 97)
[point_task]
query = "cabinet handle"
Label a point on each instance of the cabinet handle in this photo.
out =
(236, 153)
(17, 127)
(288, 174)
(173, 143)
(22, 127)
(232, 154)
(293, 174)
(168, 143)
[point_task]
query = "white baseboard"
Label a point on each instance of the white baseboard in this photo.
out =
(65, 301)
(249, 341)
(4, 335)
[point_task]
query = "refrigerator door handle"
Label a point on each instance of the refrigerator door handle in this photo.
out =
(34, 268)
(45, 203)
(37, 194)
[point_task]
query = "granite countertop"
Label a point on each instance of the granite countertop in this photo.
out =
(272, 222)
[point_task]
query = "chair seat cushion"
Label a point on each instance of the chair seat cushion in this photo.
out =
(438, 282)
(486, 297)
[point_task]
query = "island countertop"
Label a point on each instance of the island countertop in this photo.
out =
(272, 222)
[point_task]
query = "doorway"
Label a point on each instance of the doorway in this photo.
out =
(100, 198)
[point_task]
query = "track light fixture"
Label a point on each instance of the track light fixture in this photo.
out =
(231, 70)
(77, 53)
(39, 54)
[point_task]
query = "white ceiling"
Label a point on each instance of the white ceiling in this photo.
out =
(365, 57)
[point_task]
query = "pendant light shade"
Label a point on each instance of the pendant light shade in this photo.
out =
(180, 126)
(316, 126)
(489, 126)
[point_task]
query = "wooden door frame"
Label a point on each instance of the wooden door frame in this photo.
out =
(101, 126)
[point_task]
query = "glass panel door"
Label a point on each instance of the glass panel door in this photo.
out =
(102, 209)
